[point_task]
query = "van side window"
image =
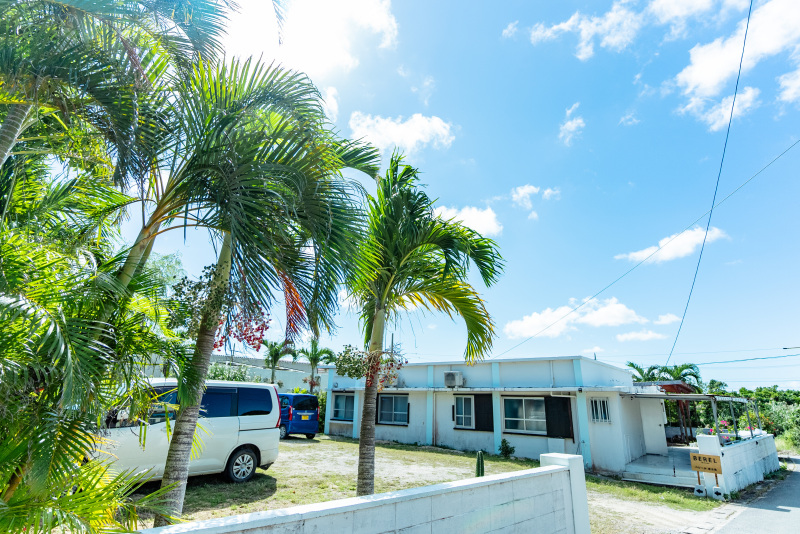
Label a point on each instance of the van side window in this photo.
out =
(254, 401)
(306, 403)
(217, 402)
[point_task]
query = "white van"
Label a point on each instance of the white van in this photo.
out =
(240, 430)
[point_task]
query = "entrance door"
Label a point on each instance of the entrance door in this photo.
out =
(655, 437)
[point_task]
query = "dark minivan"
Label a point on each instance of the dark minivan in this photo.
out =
(299, 414)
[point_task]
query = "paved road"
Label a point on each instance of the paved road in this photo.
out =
(777, 512)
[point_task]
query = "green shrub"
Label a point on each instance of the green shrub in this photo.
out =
(322, 398)
(506, 450)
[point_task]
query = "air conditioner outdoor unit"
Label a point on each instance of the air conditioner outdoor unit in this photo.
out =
(453, 379)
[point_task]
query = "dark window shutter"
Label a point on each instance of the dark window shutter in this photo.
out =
(559, 417)
(484, 415)
(377, 407)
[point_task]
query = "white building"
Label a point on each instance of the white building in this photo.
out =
(568, 404)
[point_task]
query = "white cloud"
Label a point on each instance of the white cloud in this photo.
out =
(597, 313)
(331, 106)
(425, 89)
(533, 216)
(572, 126)
(774, 28)
(484, 221)
(790, 86)
(432, 326)
(592, 350)
(551, 192)
(510, 30)
(320, 37)
(683, 245)
(521, 196)
(615, 29)
(676, 13)
(667, 318)
(534, 323)
(408, 135)
(717, 116)
(643, 335)
(628, 119)
(610, 312)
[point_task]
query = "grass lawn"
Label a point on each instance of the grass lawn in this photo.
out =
(323, 469)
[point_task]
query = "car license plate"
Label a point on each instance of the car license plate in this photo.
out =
(305, 418)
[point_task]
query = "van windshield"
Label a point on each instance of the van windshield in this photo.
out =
(309, 403)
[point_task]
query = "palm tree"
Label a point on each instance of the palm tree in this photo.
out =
(58, 377)
(685, 372)
(96, 62)
(412, 258)
(315, 355)
(275, 351)
(650, 374)
(256, 165)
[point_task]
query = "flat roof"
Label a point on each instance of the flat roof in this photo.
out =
(507, 360)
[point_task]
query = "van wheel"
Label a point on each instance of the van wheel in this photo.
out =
(310, 436)
(284, 432)
(241, 465)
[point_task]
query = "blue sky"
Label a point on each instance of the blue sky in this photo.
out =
(578, 135)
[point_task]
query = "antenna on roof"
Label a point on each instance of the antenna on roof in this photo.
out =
(595, 355)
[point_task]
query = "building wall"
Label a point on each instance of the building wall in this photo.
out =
(632, 428)
(545, 500)
(447, 436)
(414, 432)
(607, 439)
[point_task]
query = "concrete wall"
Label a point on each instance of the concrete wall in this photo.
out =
(464, 440)
(743, 463)
(632, 430)
(607, 439)
(545, 500)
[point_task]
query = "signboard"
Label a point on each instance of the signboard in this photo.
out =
(705, 462)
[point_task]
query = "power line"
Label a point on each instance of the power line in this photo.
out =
(626, 273)
(750, 359)
(716, 187)
(657, 250)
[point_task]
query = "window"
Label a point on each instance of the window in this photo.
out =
(343, 407)
(600, 412)
(393, 409)
(464, 413)
(524, 414)
(306, 403)
(254, 401)
(217, 402)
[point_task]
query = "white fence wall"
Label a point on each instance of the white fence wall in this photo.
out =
(545, 500)
(743, 463)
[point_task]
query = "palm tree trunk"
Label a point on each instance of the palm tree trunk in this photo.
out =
(10, 130)
(176, 469)
(366, 438)
(273, 374)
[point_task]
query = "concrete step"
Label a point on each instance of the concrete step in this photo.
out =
(661, 479)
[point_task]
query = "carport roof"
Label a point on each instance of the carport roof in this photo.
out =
(688, 397)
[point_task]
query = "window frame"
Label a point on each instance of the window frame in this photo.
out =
(601, 407)
(394, 410)
(472, 415)
(523, 419)
(333, 411)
